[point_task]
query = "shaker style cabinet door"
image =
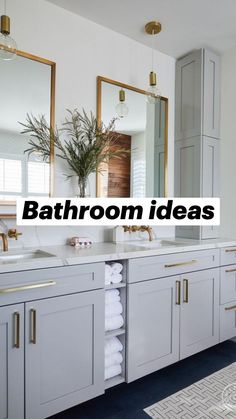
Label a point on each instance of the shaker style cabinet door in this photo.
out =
(64, 352)
(153, 325)
(12, 362)
(199, 317)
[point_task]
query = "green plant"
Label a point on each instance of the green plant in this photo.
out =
(83, 142)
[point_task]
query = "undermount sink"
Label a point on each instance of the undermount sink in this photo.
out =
(23, 256)
(157, 243)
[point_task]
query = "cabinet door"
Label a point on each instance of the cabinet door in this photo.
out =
(199, 317)
(12, 362)
(64, 352)
(211, 98)
(153, 326)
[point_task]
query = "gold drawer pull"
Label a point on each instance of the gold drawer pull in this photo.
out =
(16, 317)
(33, 326)
(185, 281)
(230, 308)
(230, 250)
(230, 270)
(27, 287)
(191, 262)
(178, 284)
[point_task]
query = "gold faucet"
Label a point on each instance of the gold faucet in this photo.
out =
(4, 242)
(13, 234)
(133, 229)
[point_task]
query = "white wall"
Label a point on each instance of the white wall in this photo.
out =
(83, 50)
(228, 144)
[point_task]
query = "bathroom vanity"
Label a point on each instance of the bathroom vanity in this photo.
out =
(179, 299)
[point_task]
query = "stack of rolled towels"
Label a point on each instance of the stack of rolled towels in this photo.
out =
(113, 310)
(113, 273)
(113, 357)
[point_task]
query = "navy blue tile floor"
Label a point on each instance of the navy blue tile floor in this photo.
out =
(127, 401)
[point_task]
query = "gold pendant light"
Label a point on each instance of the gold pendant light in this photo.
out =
(8, 47)
(122, 109)
(153, 28)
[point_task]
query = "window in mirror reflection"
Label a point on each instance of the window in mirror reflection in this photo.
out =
(25, 87)
(143, 132)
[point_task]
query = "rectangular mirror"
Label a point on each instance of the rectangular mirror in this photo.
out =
(142, 123)
(27, 85)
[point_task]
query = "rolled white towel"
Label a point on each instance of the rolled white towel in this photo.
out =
(113, 323)
(112, 371)
(112, 345)
(116, 278)
(114, 359)
(111, 296)
(113, 309)
(116, 267)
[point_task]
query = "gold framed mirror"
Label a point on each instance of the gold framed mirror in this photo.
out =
(143, 129)
(28, 86)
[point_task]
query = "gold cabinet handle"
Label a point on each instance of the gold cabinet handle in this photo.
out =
(33, 326)
(178, 285)
(16, 317)
(190, 262)
(27, 287)
(230, 270)
(230, 250)
(230, 308)
(185, 281)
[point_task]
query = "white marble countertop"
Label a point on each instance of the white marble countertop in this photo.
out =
(100, 252)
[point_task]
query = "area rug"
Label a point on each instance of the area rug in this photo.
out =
(214, 397)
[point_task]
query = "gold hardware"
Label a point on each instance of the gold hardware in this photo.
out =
(134, 229)
(100, 173)
(230, 308)
(152, 78)
(152, 28)
(16, 316)
(178, 284)
(230, 250)
(27, 287)
(122, 95)
(185, 281)
(5, 25)
(173, 265)
(13, 233)
(4, 242)
(33, 326)
(230, 270)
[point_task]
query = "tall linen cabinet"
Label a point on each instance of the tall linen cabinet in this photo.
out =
(197, 132)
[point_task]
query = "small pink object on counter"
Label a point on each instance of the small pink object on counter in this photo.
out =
(80, 241)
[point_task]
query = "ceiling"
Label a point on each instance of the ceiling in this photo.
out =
(187, 24)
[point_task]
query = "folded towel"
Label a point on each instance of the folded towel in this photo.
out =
(112, 296)
(108, 274)
(113, 323)
(112, 345)
(112, 371)
(113, 309)
(116, 278)
(116, 267)
(114, 359)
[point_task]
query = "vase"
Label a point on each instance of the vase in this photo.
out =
(84, 188)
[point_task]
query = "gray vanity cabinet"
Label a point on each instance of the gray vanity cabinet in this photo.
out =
(12, 362)
(153, 326)
(64, 352)
(199, 318)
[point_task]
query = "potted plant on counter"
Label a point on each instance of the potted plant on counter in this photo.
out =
(82, 142)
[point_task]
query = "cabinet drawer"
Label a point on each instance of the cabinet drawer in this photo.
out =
(227, 321)
(142, 269)
(227, 284)
(228, 255)
(44, 283)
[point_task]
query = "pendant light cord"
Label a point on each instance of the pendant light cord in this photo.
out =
(152, 49)
(5, 7)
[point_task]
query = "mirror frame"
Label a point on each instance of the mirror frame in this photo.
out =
(100, 80)
(52, 64)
